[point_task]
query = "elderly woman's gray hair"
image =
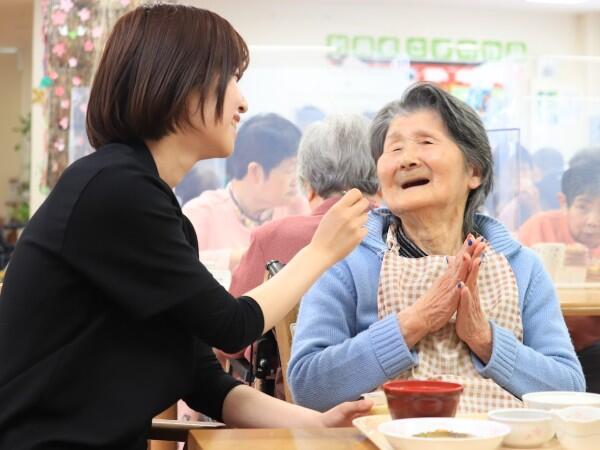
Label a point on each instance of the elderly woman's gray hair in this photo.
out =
(334, 156)
(462, 124)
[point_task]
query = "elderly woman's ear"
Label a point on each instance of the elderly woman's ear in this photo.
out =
(474, 177)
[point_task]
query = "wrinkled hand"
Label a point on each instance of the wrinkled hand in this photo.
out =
(472, 326)
(342, 228)
(435, 308)
(343, 414)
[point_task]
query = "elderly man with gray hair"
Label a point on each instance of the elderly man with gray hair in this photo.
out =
(333, 157)
(436, 290)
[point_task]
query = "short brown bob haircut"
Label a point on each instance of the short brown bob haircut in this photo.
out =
(155, 58)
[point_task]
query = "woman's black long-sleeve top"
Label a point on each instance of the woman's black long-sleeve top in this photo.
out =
(107, 317)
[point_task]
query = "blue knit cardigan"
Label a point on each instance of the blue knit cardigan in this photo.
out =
(341, 349)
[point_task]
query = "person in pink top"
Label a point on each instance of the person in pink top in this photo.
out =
(577, 222)
(262, 170)
(333, 157)
(262, 188)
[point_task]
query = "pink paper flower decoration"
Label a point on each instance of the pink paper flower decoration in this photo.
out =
(53, 75)
(72, 62)
(84, 14)
(59, 17)
(59, 91)
(88, 46)
(59, 49)
(64, 123)
(64, 104)
(96, 32)
(66, 5)
(76, 81)
(124, 2)
(59, 145)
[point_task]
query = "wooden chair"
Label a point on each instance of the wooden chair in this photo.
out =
(284, 335)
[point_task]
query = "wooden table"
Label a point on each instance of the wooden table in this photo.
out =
(280, 439)
(583, 301)
(294, 439)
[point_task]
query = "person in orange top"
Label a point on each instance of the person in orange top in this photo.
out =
(577, 222)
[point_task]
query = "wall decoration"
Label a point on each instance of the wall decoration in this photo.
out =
(74, 32)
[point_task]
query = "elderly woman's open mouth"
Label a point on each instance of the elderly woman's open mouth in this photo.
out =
(414, 183)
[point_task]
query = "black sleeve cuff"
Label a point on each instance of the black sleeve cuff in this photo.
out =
(212, 405)
(258, 322)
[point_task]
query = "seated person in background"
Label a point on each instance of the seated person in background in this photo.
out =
(333, 157)
(549, 166)
(526, 198)
(435, 291)
(262, 171)
(577, 222)
(201, 177)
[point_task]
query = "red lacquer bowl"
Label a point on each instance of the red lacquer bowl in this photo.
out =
(417, 398)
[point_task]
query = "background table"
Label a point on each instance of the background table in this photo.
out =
(580, 301)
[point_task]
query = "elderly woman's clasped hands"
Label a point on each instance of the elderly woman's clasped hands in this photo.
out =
(455, 291)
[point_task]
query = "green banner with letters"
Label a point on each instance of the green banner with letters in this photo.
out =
(386, 48)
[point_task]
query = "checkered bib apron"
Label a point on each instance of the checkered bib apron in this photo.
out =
(442, 355)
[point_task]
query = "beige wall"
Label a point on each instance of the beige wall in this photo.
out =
(290, 22)
(10, 108)
(16, 17)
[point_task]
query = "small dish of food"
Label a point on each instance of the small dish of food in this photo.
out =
(434, 433)
(560, 399)
(578, 427)
(529, 428)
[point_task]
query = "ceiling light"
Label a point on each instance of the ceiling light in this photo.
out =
(558, 2)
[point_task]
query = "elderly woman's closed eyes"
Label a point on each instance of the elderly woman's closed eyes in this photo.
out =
(435, 291)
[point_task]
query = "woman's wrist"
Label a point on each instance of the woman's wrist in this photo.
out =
(320, 258)
(413, 325)
(481, 343)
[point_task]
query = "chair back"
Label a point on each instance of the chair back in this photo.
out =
(284, 331)
(284, 335)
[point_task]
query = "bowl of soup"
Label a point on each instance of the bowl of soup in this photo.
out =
(447, 433)
(422, 398)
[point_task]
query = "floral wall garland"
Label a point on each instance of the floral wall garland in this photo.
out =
(74, 32)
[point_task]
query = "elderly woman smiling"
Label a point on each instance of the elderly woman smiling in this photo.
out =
(435, 291)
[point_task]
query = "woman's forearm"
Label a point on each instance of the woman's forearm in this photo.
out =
(341, 229)
(245, 407)
(280, 294)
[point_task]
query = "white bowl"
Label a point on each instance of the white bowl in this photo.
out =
(578, 427)
(560, 399)
(486, 435)
(528, 427)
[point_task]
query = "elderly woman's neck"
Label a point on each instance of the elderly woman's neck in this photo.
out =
(435, 233)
